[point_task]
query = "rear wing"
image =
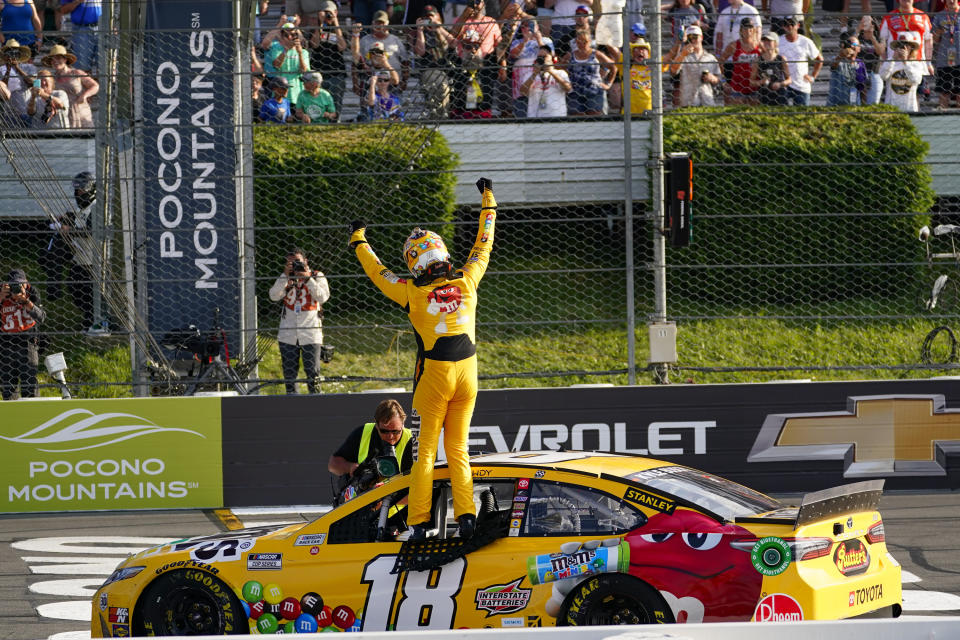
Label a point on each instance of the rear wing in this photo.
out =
(839, 501)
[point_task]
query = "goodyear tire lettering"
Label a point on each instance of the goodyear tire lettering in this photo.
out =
(164, 605)
(614, 599)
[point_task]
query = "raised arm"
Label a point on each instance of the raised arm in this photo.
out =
(389, 283)
(479, 258)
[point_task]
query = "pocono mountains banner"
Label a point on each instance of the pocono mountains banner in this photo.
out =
(189, 163)
(77, 455)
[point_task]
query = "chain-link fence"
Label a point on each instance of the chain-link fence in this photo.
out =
(804, 261)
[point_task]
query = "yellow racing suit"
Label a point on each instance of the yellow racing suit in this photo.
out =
(443, 315)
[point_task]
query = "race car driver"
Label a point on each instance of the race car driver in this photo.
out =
(441, 304)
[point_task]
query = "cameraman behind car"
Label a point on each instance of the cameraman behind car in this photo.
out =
(302, 292)
(374, 440)
(20, 313)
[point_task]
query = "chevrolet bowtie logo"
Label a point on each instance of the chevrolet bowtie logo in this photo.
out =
(908, 435)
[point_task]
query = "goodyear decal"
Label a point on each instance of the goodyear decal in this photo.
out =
(179, 564)
(646, 499)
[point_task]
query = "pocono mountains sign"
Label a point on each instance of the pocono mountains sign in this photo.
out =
(110, 454)
(191, 244)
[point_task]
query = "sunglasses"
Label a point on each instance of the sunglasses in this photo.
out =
(376, 52)
(471, 47)
(390, 432)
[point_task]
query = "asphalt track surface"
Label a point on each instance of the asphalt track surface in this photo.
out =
(51, 564)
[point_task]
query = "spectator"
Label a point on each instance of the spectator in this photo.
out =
(589, 83)
(19, 19)
(780, 9)
(698, 69)
(20, 315)
(430, 46)
(287, 59)
(441, 304)
(799, 51)
(48, 107)
(524, 51)
(771, 74)
(385, 436)
(260, 10)
(72, 244)
(277, 108)
(637, 32)
(388, 43)
(848, 75)
(256, 64)
(302, 292)
(376, 60)
(546, 87)
(308, 11)
(315, 103)
(258, 95)
(609, 30)
(729, 21)
(327, 46)
(906, 18)
(76, 83)
(564, 24)
(683, 14)
(17, 74)
(471, 89)
(84, 22)
(720, 5)
(475, 19)
(904, 72)
(366, 11)
(871, 52)
(381, 103)
(742, 53)
(946, 43)
(641, 83)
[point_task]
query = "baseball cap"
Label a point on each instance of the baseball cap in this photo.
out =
(328, 5)
(17, 275)
(640, 44)
(378, 46)
(908, 39)
(548, 43)
(790, 20)
(312, 76)
(430, 10)
(280, 81)
(381, 16)
(746, 22)
(471, 35)
(582, 8)
(770, 35)
(638, 29)
(694, 30)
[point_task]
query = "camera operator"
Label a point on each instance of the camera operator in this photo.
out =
(302, 291)
(20, 313)
(372, 440)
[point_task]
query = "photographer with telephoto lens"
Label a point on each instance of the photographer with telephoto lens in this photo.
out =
(20, 315)
(302, 292)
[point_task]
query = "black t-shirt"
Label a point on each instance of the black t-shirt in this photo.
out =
(350, 449)
(326, 57)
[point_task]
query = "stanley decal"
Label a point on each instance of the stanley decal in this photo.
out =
(904, 435)
(650, 500)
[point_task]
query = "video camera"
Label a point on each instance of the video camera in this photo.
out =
(16, 288)
(368, 475)
(205, 346)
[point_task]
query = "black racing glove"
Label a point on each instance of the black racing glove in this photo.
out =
(484, 184)
(357, 236)
(356, 225)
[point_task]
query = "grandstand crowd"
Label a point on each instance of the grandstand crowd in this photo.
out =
(315, 61)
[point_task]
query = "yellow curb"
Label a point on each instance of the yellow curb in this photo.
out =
(230, 521)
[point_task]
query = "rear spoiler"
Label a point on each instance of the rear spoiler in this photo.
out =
(839, 501)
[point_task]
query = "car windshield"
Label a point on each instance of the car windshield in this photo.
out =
(727, 499)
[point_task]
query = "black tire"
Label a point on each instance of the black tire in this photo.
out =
(188, 602)
(613, 599)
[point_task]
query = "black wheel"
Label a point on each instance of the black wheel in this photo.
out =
(614, 599)
(188, 602)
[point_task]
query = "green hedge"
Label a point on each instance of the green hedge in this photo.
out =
(392, 176)
(803, 160)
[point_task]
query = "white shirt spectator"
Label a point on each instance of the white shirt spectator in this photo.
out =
(902, 78)
(693, 91)
(798, 55)
(19, 92)
(727, 29)
(60, 118)
(546, 99)
(564, 10)
(391, 44)
(300, 318)
(784, 8)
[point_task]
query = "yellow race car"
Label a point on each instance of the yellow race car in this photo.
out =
(562, 538)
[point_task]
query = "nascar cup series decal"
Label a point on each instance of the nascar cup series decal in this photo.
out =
(770, 556)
